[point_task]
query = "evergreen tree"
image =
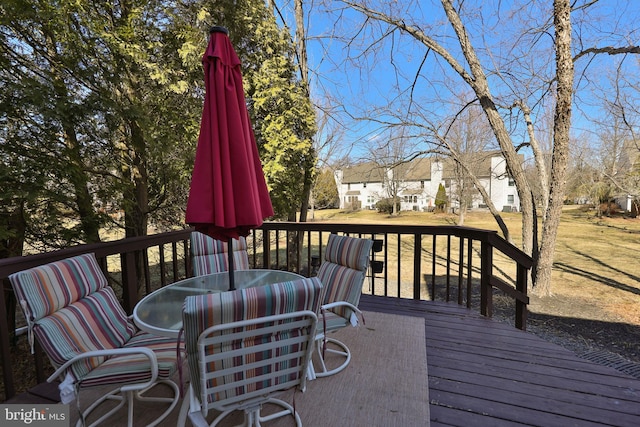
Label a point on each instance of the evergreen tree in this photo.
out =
(101, 100)
(441, 198)
(281, 112)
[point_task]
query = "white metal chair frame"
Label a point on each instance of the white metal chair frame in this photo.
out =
(326, 344)
(251, 402)
(124, 394)
(358, 264)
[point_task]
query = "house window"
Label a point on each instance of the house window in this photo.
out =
(511, 182)
(510, 199)
(421, 184)
(349, 186)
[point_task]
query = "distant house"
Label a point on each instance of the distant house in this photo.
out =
(416, 183)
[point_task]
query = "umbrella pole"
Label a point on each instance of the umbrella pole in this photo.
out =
(232, 284)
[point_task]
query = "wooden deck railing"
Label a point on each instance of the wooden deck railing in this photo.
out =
(451, 263)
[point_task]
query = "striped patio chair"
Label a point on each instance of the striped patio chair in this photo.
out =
(90, 341)
(342, 273)
(211, 256)
(245, 346)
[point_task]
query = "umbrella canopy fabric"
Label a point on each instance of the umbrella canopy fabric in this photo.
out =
(228, 195)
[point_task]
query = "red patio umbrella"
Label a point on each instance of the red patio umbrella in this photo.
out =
(228, 195)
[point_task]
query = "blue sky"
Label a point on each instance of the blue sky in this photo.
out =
(377, 81)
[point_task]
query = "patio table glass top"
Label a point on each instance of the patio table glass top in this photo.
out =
(160, 312)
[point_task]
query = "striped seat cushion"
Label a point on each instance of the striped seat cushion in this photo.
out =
(343, 271)
(136, 368)
(211, 256)
(46, 289)
(96, 322)
(201, 312)
(331, 322)
(72, 310)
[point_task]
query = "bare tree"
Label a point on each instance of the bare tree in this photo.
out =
(467, 142)
(617, 133)
(389, 151)
(520, 72)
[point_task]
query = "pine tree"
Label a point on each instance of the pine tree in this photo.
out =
(441, 198)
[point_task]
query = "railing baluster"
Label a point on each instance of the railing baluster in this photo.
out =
(417, 258)
(145, 268)
(460, 268)
(433, 267)
(174, 249)
(486, 294)
(399, 261)
(469, 270)
(163, 279)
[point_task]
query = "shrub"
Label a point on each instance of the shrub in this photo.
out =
(386, 206)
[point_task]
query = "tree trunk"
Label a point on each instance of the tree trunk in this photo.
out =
(562, 124)
(89, 219)
(478, 82)
(539, 158)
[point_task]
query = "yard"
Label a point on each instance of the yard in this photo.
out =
(595, 307)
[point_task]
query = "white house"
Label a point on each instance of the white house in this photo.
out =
(416, 183)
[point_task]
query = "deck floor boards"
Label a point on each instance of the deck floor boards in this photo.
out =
(483, 372)
(486, 373)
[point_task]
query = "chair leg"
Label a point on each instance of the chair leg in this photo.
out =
(288, 410)
(342, 350)
(128, 398)
(252, 414)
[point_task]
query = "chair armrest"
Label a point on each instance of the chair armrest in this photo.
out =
(354, 317)
(340, 304)
(153, 361)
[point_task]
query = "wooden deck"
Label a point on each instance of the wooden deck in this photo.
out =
(486, 373)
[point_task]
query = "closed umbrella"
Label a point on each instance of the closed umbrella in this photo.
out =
(228, 195)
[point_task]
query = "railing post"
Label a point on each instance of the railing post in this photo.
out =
(129, 281)
(7, 374)
(486, 270)
(521, 307)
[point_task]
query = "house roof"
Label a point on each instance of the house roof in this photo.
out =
(480, 164)
(419, 169)
(363, 172)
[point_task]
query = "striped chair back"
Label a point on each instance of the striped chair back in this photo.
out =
(247, 343)
(211, 255)
(71, 310)
(343, 271)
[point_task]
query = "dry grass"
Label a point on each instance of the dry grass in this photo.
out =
(595, 263)
(594, 309)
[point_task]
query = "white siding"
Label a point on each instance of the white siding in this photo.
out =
(499, 187)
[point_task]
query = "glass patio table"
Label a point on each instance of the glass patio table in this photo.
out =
(160, 312)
